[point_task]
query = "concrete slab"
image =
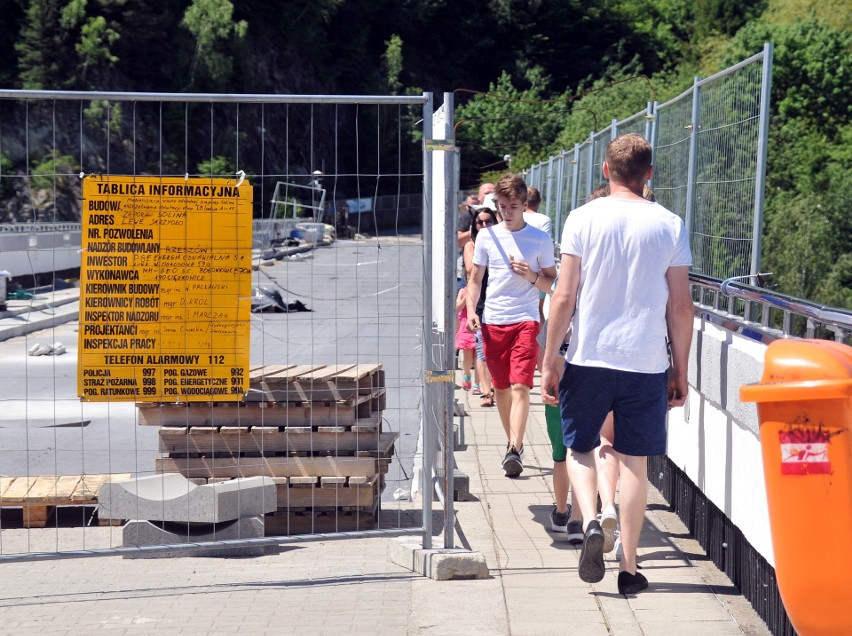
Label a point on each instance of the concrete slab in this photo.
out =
(171, 497)
(138, 533)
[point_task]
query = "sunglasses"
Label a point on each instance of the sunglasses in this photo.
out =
(488, 221)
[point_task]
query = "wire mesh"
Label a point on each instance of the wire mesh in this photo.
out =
(671, 154)
(720, 197)
(333, 411)
(726, 170)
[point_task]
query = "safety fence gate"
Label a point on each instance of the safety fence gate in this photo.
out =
(240, 357)
(709, 165)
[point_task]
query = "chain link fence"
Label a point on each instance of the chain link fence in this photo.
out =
(709, 164)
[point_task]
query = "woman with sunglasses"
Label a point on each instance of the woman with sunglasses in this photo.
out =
(483, 217)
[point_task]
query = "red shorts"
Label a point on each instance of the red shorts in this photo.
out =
(510, 353)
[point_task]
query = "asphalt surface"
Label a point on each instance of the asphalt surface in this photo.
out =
(365, 302)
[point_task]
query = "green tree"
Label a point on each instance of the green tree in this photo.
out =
(211, 24)
(42, 47)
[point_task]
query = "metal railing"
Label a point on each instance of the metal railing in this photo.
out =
(765, 315)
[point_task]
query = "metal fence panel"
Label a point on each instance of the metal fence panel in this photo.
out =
(333, 414)
(709, 164)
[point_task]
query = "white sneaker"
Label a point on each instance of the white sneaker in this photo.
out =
(609, 523)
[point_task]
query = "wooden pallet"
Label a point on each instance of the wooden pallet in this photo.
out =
(270, 440)
(285, 523)
(314, 383)
(39, 495)
(312, 466)
(366, 412)
(324, 493)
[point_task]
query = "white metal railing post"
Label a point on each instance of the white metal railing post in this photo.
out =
(762, 143)
(451, 183)
(575, 176)
(426, 426)
(693, 158)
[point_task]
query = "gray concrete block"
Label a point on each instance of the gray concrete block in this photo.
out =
(139, 534)
(171, 497)
(440, 565)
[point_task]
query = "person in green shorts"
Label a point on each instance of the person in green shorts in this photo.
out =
(564, 517)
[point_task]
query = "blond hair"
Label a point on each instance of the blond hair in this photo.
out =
(628, 158)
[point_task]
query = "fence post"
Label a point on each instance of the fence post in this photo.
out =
(451, 183)
(762, 143)
(549, 187)
(557, 218)
(590, 175)
(575, 175)
(693, 158)
(651, 132)
(426, 428)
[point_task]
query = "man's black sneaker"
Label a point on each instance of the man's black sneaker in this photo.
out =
(592, 567)
(559, 520)
(575, 532)
(631, 583)
(512, 465)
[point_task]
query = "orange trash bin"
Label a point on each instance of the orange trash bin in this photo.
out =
(804, 403)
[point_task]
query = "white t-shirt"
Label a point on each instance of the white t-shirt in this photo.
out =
(626, 246)
(539, 220)
(511, 299)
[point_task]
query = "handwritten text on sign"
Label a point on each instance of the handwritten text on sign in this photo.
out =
(165, 289)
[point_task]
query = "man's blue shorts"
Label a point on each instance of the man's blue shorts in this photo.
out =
(639, 402)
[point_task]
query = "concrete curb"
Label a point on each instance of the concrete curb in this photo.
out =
(25, 317)
(439, 565)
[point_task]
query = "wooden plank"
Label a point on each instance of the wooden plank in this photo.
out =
(87, 489)
(316, 384)
(43, 490)
(252, 414)
(271, 466)
(270, 440)
(5, 482)
(256, 373)
(18, 489)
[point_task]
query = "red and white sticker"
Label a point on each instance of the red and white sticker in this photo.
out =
(804, 452)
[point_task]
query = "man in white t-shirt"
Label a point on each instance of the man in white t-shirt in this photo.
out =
(531, 213)
(520, 261)
(624, 269)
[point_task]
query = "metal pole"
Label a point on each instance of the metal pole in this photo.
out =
(450, 247)
(691, 167)
(590, 175)
(426, 428)
(560, 190)
(651, 134)
(548, 178)
(762, 142)
(575, 176)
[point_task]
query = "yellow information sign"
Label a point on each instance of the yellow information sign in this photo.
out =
(165, 289)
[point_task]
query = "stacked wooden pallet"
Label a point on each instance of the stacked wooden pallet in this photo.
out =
(39, 495)
(315, 429)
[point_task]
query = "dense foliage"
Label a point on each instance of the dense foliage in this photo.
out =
(530, 77)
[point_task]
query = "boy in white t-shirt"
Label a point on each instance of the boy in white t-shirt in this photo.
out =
(625, 264)
(520, 261)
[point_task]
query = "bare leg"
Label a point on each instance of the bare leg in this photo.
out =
(484, 376)
(467, 361)
(583, 476)
(560, 486)
(504, 407)
(606, 460)
(632, 502)
(520, 396)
